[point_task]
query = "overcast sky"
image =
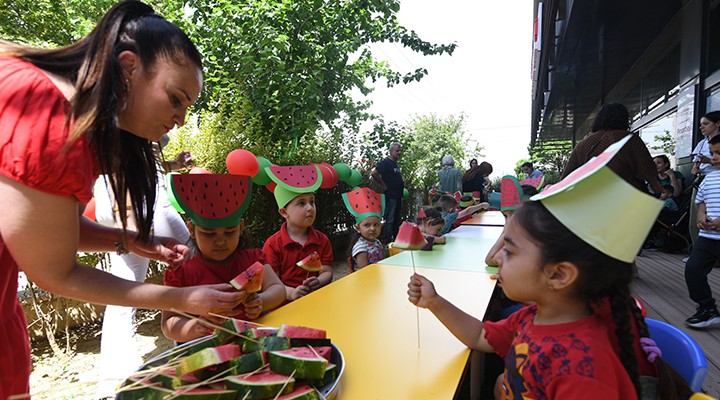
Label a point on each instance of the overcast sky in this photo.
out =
(487, 77)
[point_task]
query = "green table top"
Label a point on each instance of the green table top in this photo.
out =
(462, 254)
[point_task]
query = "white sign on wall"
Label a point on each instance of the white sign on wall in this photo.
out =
(685, 125)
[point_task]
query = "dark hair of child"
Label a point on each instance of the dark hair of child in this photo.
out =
(715, 139)
(432, 215)
(600, 276)
(529, 190)
(447, 202)
(244, 241)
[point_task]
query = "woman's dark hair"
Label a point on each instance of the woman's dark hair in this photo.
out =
(665, 159)
(613, 116)
(713, 116)
(433, 215)
(600, 277)
(92, 65)
(485, 168)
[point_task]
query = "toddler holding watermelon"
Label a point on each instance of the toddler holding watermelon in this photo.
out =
(297, 239)
(368, 208)
(218, 235)
(581, 334)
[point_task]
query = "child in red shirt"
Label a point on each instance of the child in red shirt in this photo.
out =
(221, 255)
(582, 334)
(296, 240)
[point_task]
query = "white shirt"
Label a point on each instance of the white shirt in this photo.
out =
(709, 193)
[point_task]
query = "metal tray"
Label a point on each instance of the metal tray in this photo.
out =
(328, 392)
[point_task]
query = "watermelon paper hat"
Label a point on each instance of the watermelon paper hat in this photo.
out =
(363, 203)
(293, 181)
(601, 208)
(511, 193)
(212, 200)
(534, 182)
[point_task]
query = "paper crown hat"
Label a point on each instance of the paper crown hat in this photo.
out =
(293, 181)
(211, 200)
(603, 210)
(511, 193)
(363, 203)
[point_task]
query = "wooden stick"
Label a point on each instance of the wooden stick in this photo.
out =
(417, 309)
(284, 385)
(241, 320)
(210, 324)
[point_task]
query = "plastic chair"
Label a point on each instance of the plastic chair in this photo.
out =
(701, 396)
(681, 351)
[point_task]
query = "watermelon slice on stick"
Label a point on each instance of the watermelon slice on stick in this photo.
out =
(311, 263)
(251, 279)
(410, 238)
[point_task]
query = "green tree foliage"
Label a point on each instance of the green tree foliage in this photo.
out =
(666, 142)
(549, 157)
(426, 140)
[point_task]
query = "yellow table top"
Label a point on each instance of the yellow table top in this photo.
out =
(490, 218)
(368, 316)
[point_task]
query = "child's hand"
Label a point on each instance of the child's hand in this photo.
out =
(703, 222)
(299, 292)
(421, 291)
(313, 283)
(439, 240)
(253, 306)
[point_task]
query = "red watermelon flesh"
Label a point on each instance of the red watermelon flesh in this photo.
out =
(324, 351)
(295, 332)
(534, 182)
(251, 279)
(510, 197)
(212, 200)
(232, 325)
(409, 237)
(305, 178)
(311, 263)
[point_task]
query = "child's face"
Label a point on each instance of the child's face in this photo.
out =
(369, 228)
(428, 228)
(715, 155)
(300, 211)
(217, 244)
(519, 265)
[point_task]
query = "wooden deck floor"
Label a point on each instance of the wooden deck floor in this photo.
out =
(661, 286)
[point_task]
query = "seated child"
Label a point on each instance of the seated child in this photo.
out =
(368, 208)
(430, 222)
(221, 257)
(297, 239)
(448, 206)
(582, 336)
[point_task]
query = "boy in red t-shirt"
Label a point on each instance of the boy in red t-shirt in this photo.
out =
(296, 240)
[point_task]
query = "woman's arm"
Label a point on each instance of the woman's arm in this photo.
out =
(42, 233)
(675, 182)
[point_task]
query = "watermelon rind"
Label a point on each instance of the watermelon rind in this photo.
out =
(301, 392)
(295, 169)
(311, 263)
(212, 200)
(302, 362)
(361, 215)
(247, 362)
(261, 385)
(203, 394)
(233, 325)
(206, 358)
(331, 372)
(135, 390)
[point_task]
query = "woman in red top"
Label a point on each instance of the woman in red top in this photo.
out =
(66, 115)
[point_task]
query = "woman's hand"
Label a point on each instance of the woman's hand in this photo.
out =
(421, 291)
(695, 169)
(205, 300)
(160, 248)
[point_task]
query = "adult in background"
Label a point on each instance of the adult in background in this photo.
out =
(709, 127)
(530, 171)
(633, 162)
(668, 177)
(388, 175)
(67, 114)
(449, 177)
(476, 178)
(119, 355)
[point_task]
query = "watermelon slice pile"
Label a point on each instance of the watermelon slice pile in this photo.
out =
(311, 263)
(251, 279)
(292, 362)
(409, 237)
